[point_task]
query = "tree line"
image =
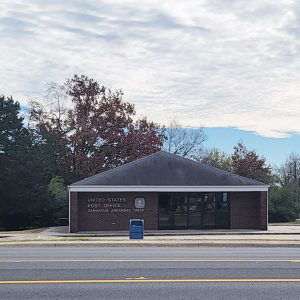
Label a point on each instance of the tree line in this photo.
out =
(284, 181)
(82, 128)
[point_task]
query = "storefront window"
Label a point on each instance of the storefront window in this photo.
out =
(193, 210)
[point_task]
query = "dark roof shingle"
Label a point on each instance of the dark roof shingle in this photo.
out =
(165, 169)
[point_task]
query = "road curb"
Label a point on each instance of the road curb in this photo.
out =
(142, 244)
(168, 234)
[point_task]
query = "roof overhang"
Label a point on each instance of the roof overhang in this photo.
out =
(118, 188)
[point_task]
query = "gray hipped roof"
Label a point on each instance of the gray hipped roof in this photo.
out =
(165, 169)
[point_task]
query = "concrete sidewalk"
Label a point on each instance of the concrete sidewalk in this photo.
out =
(62, 231)
(276, 236)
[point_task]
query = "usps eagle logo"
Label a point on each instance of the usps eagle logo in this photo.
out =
(139, 203)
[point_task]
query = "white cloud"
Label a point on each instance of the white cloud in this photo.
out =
(213, 63)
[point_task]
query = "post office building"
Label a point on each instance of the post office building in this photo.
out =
(169, 192)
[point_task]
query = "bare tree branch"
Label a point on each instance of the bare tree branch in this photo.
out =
(186, 142)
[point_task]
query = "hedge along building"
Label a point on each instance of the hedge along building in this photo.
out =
(168, 192)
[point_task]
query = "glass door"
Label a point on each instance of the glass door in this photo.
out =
(172, 211)
(222, 210)
(180, 211)
(209, 213)
(166, 215)
(195, 210)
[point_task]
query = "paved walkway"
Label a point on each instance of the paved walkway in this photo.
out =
(272, 230)
(286, 236)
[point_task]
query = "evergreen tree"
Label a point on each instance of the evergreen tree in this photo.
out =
(22, 184)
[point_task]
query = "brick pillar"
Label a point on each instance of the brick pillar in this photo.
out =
(263, 211)
(73, 212)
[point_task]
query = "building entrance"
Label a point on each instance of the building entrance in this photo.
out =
(193, 210)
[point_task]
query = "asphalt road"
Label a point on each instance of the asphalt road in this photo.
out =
(149, 273)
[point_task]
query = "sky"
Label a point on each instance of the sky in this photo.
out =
(229, 65)
(274, 150)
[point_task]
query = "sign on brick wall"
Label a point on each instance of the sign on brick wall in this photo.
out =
(113, 205)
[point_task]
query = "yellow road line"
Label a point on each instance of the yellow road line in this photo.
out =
(151, 280)
(145, 260)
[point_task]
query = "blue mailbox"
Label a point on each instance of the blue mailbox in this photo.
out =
(136, 229)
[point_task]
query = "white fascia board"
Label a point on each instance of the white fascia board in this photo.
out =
(117, 188)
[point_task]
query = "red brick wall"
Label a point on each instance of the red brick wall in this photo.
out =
(244, 212)
(263, 210)
(248, 210)
(95, 211)
(73, 212)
